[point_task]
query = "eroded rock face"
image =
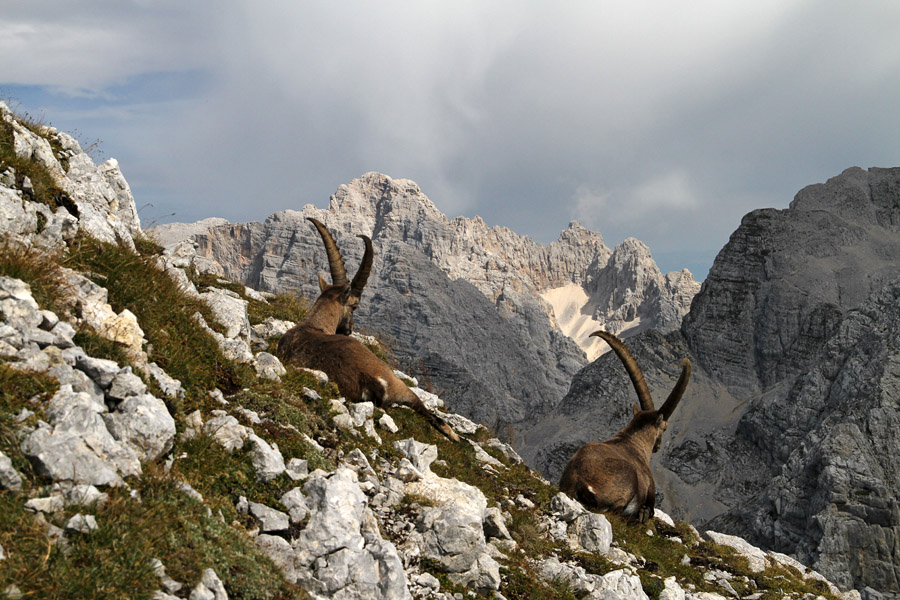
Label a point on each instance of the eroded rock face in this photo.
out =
(101, 422)
(787, 277)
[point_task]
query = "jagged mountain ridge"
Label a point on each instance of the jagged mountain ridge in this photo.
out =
(508, 384)
(787, 434)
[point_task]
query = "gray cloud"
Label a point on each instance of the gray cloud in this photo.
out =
(664, 122)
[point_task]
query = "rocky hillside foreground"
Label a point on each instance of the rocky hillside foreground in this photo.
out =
(151, 448)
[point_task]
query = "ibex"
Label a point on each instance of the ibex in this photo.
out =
(321, 341)
(615, 475)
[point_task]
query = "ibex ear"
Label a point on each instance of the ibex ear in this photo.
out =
(660, 419)
(345, 294)
(322, 283)
(636, 408)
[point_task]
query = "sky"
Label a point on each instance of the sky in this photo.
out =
(664, 121)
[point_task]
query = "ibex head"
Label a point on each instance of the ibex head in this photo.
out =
(345, 293)
(645, 414)
(615, 474)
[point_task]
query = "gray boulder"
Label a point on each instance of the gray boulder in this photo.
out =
(270, 521)
(230, 310)
(340, 552)
(125, 384)
(10, 479)
(82, 523)
(144, 423)
(210, 587)
(295, 502)
(76, 446)
(226, 430)
(592, 532)
(266, 458)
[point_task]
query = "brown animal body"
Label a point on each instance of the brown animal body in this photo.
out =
(321, 341)
(615, 475)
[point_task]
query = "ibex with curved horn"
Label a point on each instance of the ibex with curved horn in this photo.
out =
(615, 475)
(320, 340)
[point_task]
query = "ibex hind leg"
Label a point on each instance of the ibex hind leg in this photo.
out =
(438, 423)
(639, 513)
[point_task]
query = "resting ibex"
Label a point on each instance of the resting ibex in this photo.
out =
(615, 474)
(317, 341)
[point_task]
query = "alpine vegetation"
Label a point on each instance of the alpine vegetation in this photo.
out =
(615, 474)
(321, 341)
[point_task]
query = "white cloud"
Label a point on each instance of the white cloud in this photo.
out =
(634, 117)
(657, 197)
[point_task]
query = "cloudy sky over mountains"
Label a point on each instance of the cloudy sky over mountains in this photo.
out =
(662, 121)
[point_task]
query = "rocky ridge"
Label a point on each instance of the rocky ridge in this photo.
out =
(516, 322)
(383, 520)
(786, 434)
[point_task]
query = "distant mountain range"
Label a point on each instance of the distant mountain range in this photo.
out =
(495, 321)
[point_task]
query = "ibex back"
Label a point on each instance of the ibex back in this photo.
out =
(321, 341)
(615, 475)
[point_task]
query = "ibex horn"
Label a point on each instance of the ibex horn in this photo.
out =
(631, 367)
(365, 267)
(671, 402)
(335, 262)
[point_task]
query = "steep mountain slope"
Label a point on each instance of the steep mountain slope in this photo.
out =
(787, 432)
(498, 355)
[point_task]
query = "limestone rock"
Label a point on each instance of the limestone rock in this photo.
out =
(268, 366)
(77, 446)
(82, 523)
(226, 430)
(592, 532)
(339, 553)
(209, 588)
(756, 558)
(10, 479)
(420, 455)
(295, 502)
(171, 387)
(144, 423)
(230, 310)
(269, 519)
(266, 458)
(566, 508)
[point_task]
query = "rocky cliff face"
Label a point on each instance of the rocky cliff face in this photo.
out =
(788, 427)
(92, 198)
(461, 300)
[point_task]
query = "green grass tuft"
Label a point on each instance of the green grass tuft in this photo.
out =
(115, 561)
(285, 306)
(39, 269)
